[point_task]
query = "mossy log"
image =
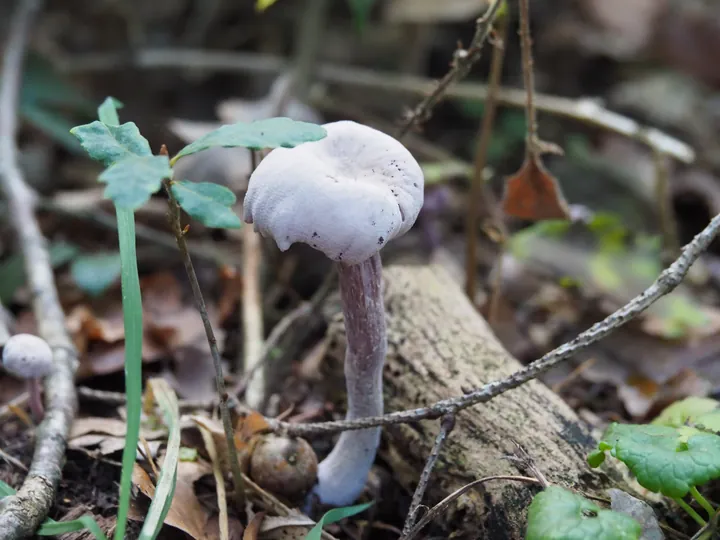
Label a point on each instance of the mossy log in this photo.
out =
(439, 346)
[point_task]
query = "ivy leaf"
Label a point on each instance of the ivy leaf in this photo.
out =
(208, 203)
(95, 273)
(334, 515)
(109, 144)
(559, 514)
(663, 459)
(686, 411)
(132, 180)
(268, 133)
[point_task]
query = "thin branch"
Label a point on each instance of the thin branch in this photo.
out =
(119, 399)
(462, 62)
(252, 314)
(586, 110)
(174, 211)
(447, 501)
(668, 280)
(479, 190)
(528, 77)
(446, 426)
(23, 513)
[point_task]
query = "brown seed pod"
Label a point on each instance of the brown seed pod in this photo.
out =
(284, 466)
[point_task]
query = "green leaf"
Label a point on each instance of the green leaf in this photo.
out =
(188, 454)
(95, 273)
(665, 459)
(208, 203)
(559, 514)
(268, 133)
(361, 10)
(132, 180)
(686, 411)
(165, 488)
(108, 143)
(336, 514)
(108, 111)
(50, 527)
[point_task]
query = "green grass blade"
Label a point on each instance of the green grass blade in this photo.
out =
(132, 317)
(50, 527)
(165, 488)
(336, 514)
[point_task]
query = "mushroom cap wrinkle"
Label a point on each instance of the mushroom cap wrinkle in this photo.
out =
(346, 195)
(27, 356)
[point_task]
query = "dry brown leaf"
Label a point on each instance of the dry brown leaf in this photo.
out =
(253, 528)
(249, 425)
(533, 193)
(108, 435)
(186, 513)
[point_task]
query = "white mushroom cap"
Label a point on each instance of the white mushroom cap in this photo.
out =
(346, 195)
(27, 356)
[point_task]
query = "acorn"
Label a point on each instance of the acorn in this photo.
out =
(284, 466)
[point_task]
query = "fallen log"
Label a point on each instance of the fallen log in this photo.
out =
(439, 347)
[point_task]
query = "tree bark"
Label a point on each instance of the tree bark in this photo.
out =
(439, 346)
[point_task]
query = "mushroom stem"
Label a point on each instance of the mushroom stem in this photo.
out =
(343, 473)
(35, 399)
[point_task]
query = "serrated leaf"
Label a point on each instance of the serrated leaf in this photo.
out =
(334, 515)
(268, 133)
(686, 411)
(559, 514)
(95, 273)
(208, 203)
(131, 181)
(109, 144)
(50, 527)
(665, 459)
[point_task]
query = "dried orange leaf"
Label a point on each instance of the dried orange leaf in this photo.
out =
(253, 528)
(250, 425)
(533, 193)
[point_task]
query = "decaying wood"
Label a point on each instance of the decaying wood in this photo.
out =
(440, 346)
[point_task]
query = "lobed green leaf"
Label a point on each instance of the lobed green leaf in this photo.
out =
(132, 180)
(208, 203)
(109, 143)
(559, 514)
(268, 133)
(663, 459)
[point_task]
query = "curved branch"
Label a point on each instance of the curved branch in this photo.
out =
(22, 514)
(668, 280)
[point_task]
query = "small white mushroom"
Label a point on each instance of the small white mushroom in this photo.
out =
(346, 195)
(29, 357)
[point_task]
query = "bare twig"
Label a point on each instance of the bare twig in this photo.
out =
(668, 280)
(447, 501)
(22, 514)
(528, 76)
(177, 227)
(462, 62)
(446, 426)
(252, 315)
(527, 462)
(587, 110)
(478, 189)
(118, 399)
(668, 224)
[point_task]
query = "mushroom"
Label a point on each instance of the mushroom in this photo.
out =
(29, 357)
(346, 195)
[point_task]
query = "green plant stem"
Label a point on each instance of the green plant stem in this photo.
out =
(174, 210)
(702, 501)
(692, 513)
(133, 322)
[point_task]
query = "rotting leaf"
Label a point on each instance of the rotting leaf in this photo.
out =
(108, 144)
(132, 180)
(268, 133)
(209, 203)
(533, 193)
(559, 514)
(663, 459)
